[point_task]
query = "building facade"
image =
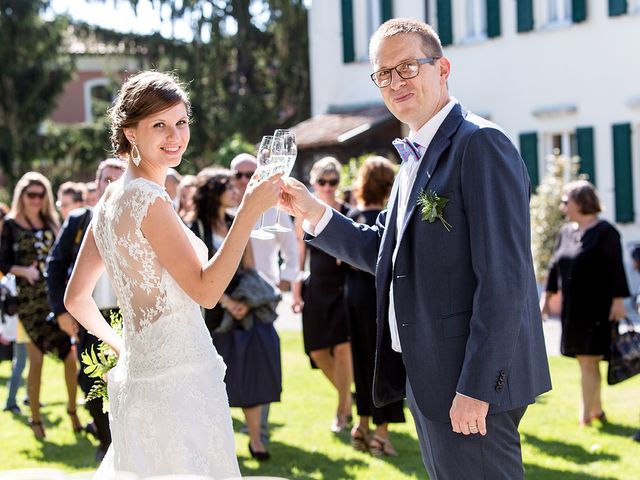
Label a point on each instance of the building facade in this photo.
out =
(559, 75)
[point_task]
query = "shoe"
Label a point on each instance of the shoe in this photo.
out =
(600, 416)
(38, 429)
(360, 439)
(92, 430)
(75, 421)
(13, 409)
(340, 423)
(101, 451)
(27, 403)
(636, 436)
(260, 456)
(381, 447)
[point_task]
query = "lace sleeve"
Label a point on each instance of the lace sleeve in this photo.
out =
(132, 264)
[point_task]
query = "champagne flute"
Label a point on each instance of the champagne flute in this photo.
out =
(284, 152)
(264, 170)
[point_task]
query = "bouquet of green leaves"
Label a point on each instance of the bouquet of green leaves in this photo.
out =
(97, 364)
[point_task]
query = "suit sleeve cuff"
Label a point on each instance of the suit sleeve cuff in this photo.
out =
(466, 396)
(324, 221)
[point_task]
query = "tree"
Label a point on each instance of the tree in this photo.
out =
(35, 68)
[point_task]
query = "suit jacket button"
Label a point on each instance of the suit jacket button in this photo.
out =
(498, 388)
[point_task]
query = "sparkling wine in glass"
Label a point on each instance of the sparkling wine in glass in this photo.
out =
(283, 155)
(265, 170)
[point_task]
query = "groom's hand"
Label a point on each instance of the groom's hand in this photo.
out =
(468, 415)
(296, 200)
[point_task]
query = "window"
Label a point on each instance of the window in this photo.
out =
(476, 19)
(562, 143)
(558, 12)
(366, 20)
(97, 98)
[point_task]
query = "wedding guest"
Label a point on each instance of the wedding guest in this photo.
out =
(324, 323)
(276, 258)
(251, 352)
(371, 190)
(92, 194)
(186, 191)
(587, 267)
(59, 266)
(71, 195)
(27, 235)
(635, 260)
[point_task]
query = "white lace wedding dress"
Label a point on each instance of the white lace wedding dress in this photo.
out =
(169, 411)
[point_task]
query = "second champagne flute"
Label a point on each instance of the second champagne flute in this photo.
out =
(284, 152)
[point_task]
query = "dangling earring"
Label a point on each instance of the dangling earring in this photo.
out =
(135, 154)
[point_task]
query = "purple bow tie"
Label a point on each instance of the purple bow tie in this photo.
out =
(408, 150)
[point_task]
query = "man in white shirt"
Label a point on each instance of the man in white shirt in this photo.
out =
(459, 328)
(276, 258)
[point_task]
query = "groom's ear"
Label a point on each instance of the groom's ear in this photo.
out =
(445, 68)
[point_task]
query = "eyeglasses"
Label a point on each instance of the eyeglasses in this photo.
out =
(564, 201)
(246, 175)
(34, 195)
(406, 70)
(333, 182)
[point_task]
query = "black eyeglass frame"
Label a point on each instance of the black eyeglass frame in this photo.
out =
(421, 61)
(332, 182)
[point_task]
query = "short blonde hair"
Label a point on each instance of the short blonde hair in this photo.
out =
(322, 167)
(405, 26)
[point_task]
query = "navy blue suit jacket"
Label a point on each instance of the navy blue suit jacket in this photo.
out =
(465, 300)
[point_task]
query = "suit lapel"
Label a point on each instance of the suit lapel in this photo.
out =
(430, 160)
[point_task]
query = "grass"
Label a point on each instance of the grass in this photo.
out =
(302, 447)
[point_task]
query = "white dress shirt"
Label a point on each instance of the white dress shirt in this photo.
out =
(406, 177)
(265, 252)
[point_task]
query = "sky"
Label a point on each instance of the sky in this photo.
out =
(119, 16)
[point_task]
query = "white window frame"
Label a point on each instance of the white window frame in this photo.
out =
(475, 20)
(367, 17)
(87, 87)
(568, 146)
(557, 13)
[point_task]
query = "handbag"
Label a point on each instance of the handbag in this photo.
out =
(624, 358)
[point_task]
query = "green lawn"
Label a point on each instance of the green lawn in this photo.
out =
(554, 447)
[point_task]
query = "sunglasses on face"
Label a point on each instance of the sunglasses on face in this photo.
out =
(246, 175)
(34, 195)
(333, 182)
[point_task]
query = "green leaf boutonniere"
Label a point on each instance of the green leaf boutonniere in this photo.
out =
(432, 206)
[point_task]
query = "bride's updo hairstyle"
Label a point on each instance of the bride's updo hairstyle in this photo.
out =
(143, 94)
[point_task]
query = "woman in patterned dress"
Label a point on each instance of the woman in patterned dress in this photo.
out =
(27, 235)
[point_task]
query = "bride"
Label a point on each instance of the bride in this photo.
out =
(168, 403)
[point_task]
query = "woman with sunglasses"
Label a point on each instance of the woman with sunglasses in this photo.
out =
(324, 322)
(27, 235)
(254, 349)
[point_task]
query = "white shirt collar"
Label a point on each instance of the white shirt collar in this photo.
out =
(426, 133)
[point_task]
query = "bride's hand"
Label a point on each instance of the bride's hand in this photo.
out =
(261, 194)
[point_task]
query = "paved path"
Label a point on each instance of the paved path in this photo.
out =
(289, 321)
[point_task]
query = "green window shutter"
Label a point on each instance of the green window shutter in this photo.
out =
(493, 18)
(529, 152)
(386, 10)
(525, 15)
(623, 175)
(348, 41)
(584, 137)
(445, 23)
(578, 10)
(617, 7)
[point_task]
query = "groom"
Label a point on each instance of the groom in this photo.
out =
(457, 300)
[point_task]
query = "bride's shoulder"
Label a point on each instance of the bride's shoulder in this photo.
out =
(139, 194)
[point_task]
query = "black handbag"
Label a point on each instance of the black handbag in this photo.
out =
(624, 358)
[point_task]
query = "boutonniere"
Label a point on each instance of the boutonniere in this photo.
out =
(432, 206)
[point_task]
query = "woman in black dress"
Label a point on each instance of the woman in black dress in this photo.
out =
(324, 322)
(252, 355)
(27, 235)
(587, 267)
(371, 190)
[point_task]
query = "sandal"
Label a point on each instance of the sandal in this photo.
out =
(37, 428)
(360, 439)
(379, 447)
(75, 421)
